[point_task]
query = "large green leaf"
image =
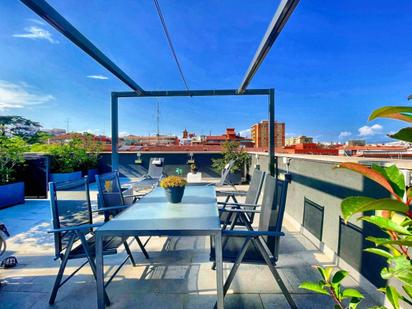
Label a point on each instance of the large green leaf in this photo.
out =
(354, 302)
(312, 286)
(325, 272)
(404, 134)
(359, 204)
(393, 296)
(406, 241)
(339, 276)
(380, 252)
(408, 290)
(394, 112)
(387, 224)
(394, 176)
(369, 173)
(352, 293)
(401, 269)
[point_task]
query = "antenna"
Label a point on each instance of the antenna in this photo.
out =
(158, 120)
(67, 125)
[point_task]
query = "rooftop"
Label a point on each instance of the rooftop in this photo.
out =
(178, 274)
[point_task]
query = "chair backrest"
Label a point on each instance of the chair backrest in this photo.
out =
(110, 190)
(255, 187)
(225, 172)
(156, 167)
(70, 206)
(273, 209)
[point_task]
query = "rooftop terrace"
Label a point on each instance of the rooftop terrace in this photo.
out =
(178, 274)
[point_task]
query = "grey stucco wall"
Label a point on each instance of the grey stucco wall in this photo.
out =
(323, 184)
(128, 167)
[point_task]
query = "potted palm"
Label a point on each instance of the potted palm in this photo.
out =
(232, 151)
(11, 156)
(174, 188)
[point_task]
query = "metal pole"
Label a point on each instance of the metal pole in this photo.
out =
(115, 132)
(279, 20)
(49, 14)
(271, 132)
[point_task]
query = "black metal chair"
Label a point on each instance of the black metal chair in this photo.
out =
(112, 199)
(251, 200)
(236, 246)
(73, 231)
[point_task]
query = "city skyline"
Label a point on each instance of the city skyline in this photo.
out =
(327, 78)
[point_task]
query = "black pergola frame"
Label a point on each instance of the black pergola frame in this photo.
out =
(270, 93)
(282, 14)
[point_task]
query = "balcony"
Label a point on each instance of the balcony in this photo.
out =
(179, 274)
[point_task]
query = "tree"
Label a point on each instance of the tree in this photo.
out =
(231, 151)
(12, 151)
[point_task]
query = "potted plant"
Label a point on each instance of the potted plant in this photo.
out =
(90, 158)
(232, 151)
(193, 168)
(11, 156)
(66, 162)
(393, 216)
(174, 188)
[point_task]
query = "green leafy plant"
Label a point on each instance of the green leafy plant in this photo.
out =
(66, 158)
(12, 151)
(92, 150)
(391, 215)
(231, 151)
(78, 154)
(330, 285)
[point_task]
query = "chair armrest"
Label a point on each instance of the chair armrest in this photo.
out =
(239, 210)
(248, 233)
(103, 209)
(239, 193)
(74, 228)
(238, 204)
(133, 195)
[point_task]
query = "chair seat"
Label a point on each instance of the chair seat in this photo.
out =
(232, 249)
(146, 182)
(110, 245)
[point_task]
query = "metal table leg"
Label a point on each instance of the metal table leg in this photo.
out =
(99, 271)
(219, 269)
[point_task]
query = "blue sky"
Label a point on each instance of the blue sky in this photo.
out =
(334, 62)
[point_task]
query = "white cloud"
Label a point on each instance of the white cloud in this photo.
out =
(36, 21)
(344, 134)
(245, 133)
(123, 133)
(92, 131)
(19, 96)
(36, 33)
(97, 77)
(370, 130)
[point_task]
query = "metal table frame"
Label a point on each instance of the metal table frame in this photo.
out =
(215, 233)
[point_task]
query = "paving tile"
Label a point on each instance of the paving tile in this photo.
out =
(13, 300)
(243, 301)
